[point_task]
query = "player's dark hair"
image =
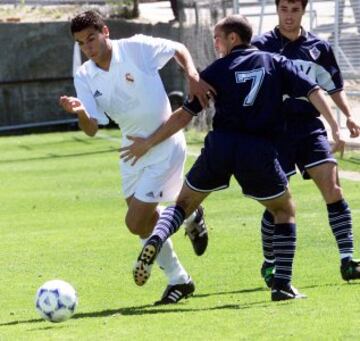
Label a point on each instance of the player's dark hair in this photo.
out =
(303, 2)
(85, 20)
(238, 24)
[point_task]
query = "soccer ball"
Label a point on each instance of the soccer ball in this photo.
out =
(56, 301)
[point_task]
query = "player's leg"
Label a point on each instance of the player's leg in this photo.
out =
(284, 245)
(326, 179)
(317, 162)
(267, 233)
(168, 223)
(286, 148)
(259, 174)
(156, 183)
(206, 175)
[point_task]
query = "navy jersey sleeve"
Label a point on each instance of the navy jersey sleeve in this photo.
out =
(194, 107)
(296, 83)
(329, 75)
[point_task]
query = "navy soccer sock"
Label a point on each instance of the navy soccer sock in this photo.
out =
(284, 244)
(341, 225)
(169, 222)
(267, 233)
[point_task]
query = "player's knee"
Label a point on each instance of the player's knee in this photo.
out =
(333, 194)
(135, 226)
(284, 213)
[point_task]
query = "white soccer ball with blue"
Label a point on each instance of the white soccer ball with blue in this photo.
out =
(56, 301)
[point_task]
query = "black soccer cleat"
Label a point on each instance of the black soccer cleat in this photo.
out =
(287, 292)
(174, 293)
(145, 261)
(197, 232)
(267, 273)
(350, 270)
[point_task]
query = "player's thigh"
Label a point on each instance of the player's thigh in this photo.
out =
(315, 149)
(258, 170)
(158, 182)
(213, 168)
(140, 212)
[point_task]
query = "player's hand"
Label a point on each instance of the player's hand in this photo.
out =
(339, 143)
(71, 105)
(353, 127)
(134, 151)
(200, 89)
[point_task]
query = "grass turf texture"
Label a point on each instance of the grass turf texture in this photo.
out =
(62, 217)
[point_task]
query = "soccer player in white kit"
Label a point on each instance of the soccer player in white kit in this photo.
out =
(121, 79)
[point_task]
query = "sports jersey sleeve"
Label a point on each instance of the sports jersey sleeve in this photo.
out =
(84, 94)
(329, 76)
(155, 52)
(296, 83)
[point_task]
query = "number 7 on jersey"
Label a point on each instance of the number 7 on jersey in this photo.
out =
(256, 77)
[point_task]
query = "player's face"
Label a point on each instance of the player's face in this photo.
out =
(290, 15)
(222, 42)
(93, 43)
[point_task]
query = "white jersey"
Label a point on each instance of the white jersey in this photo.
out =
(131, 92)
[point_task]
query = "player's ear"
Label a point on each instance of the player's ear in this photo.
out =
(105, 31)
(234, 38)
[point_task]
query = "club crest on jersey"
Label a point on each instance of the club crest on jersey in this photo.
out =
(129, 77)
(314, 53)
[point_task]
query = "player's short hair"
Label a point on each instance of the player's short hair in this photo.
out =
(85, 20)
(238, 24)
(303, 2)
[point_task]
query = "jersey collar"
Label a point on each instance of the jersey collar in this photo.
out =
(303, 36)
(242, 47)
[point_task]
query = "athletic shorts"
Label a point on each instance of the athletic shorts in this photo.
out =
(157, 182)
(252, 161)
(305, 145)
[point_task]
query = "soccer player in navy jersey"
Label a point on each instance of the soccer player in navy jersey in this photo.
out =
(305, 143)
(250, 85)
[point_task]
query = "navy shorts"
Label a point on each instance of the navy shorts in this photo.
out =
(305, 145)
(252, 161)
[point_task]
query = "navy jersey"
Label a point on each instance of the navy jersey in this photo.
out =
(250, 86)
(313, 56)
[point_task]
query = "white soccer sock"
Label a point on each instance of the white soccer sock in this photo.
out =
(170, 264)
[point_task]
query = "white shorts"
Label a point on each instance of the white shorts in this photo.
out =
(158, 182)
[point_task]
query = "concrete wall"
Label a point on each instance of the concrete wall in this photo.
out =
(36, 67)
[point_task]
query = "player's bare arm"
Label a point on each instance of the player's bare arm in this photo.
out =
(73, 105)
(341, 102)
(177, 121)
(319, 102)
(197, 87)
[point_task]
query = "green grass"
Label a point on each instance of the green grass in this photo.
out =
(61, 216)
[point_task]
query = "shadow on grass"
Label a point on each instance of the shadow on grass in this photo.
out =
(58, 156)
(150, 309)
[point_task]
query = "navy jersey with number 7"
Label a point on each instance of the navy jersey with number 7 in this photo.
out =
(250, 86)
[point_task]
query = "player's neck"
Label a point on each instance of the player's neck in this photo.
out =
(104, 62)
(291, 35)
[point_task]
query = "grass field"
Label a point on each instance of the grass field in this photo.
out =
(61, 216)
